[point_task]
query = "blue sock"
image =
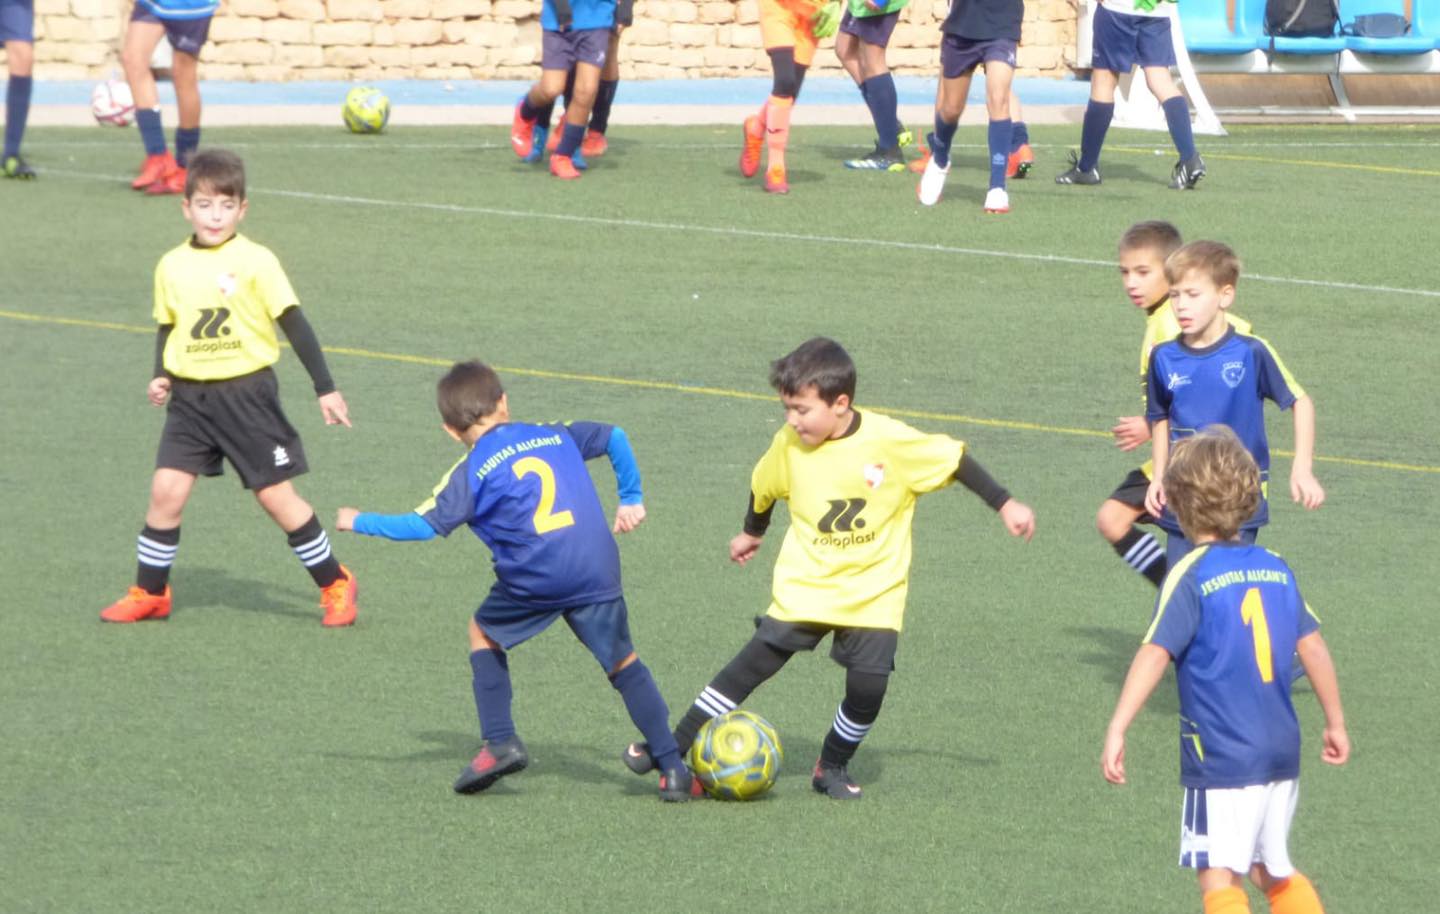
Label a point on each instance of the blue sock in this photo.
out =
(187, 140)
(17, 109)
(1019, 136)
(491, 681)
(941, 139)
(1177, 115)
(879, 92)
(1092, 132)
(998, 137)
(570, 139)
(152, 134)
(647, 709)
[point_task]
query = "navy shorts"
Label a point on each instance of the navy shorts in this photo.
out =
(238, 419)
(604, 628)
(187, 36)
(1122, 41)
(864, 650)
(1132, 492)
(17, 20)
(563, 50)
(959, 56)
(874, 30)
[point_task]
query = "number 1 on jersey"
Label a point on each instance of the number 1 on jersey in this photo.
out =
(1252, 612)
(547, 519)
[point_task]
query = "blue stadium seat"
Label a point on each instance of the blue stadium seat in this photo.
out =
(1207, 31)
(1414, 43)
(1307, 46)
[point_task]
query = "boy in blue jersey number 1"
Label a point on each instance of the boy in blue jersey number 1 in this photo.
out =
(1231, 617)
(17, 31)
(186, 25)
(524, 490)
(1216, 374)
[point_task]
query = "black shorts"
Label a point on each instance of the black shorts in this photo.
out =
(1132, 492)
(237, 419)
(864, 650)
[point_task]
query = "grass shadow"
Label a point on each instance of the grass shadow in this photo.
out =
(215, 588)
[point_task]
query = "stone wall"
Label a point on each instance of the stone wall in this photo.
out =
(276, 40)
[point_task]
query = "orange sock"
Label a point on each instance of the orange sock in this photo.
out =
(1294, 896)
(1227, 901)
(777, 129)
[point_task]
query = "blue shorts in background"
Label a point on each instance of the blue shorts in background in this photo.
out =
(1122, 41)
(17, 20)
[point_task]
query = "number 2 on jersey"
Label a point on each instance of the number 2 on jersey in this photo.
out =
(1252, 612)
(547, 519)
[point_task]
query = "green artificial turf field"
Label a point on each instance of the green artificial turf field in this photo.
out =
(240, 758)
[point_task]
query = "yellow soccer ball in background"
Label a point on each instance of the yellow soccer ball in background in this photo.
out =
(366, 110)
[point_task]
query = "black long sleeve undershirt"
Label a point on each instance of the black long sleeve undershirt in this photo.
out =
(161, 338)
(302, 339)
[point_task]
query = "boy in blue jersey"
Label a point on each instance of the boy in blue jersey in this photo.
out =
(1214, 374)
(1231, 617)
(17, 32)
(525, 492)
(186, 25)
(576, 34)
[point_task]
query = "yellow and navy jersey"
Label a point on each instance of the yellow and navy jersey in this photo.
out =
(1162, 327)
(1230, 614)
(222, 302)
(845, 560)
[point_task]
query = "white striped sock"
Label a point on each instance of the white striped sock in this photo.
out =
(315, 551)
(156, 555)
(847, 729)
(713, 703)
(1144, 553)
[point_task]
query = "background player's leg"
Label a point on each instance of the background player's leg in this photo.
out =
(185, 74)
(785, 87)
(879, 91)
(1294, 895)
(1141, 551)
(756, 662)
(595, 143)
(540, 98)
(949, 105)
(1222, 892)
(1177, 118)
(1021, 157)
(1098, 113)
(864, 693)
(577, 109)
(141, 39)
(998, 77)
(20, 56)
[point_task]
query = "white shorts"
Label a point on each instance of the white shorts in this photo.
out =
(1233, 828)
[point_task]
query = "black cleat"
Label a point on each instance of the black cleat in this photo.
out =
(1076, 176)
(835, 783)
(494, 762)
(16, 167)
(879, 160)
(637, 758)
(678, 785)
(1187, 173)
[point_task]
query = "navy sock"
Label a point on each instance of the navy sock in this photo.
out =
(544, 114)
(880, 96)
(999, 140)
(491, 681)
(570, 139)
(604, 98)
(1177, 116)
(569, 88)
(530, 113)
(943, 136)
(187, 140)
(647, 709)
(1092, 132)
(155, 551)
(152, 134)
(1019, 136)
(17, 109)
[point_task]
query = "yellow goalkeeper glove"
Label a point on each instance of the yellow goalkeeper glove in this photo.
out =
(827, 21)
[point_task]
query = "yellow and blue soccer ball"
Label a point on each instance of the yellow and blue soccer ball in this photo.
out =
(366, 110)
(736, 756)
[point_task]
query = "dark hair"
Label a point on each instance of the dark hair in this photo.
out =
(217, 171)
(819, 363)
(1155, 235)
(1212, 483)
(469, 392)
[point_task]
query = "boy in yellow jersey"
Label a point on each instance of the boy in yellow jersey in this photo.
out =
(218, 298)
(1143, 249)
(790, 29)
(851, 480)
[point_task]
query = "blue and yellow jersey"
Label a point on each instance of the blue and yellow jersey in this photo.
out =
(1230, 615)
(583, 14)
(846, 557)
(526, 493)
(1226, 383)
(223, 302)
(1162, 327)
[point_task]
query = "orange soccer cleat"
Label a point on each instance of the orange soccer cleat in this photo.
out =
(775, 182)
(553, 139)
(138, 605)
(522, 132)
(172, 183)
(563, 167)
(594, 144)
(154, 168)
(1020, 162)
(750, 153)
(338, 600)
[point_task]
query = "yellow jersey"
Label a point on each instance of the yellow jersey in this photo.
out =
(845, 560)
(222, 302)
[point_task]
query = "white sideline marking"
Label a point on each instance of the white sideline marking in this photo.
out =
(732, 232)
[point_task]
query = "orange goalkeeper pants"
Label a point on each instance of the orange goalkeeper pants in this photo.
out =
(786, 24)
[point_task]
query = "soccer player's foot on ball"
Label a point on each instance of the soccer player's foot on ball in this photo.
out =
(834, 782)
(775, 180)
(1187, 173)
(678, 785)
(522, 132)
(879, 160)
(153, 169)
(537, 146)
(932, 182)
(496, 759)
(338, 600)
(138, 605)
(1020, 162)
(754, 133)
(172, 183)
(16, 167)
(997, 200)
(563, 167)
(594, 143)
(637, 758)
(1075, 176)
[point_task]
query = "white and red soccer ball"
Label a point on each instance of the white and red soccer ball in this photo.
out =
(112, 104)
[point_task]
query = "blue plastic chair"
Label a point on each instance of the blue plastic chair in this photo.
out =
(1413, 43)
(1285, 44)
(1207, 32)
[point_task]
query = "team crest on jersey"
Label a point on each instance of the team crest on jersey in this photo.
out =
(874, 474)
(227, 284)
(1232, 373)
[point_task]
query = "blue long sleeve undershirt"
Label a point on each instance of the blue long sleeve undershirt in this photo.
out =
(627, 470)
(403, 527)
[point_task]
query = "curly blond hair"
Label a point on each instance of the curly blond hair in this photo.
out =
(1212, 484)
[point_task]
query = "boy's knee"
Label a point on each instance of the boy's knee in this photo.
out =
(20, 56)
(1110, 523)
(628, 660)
